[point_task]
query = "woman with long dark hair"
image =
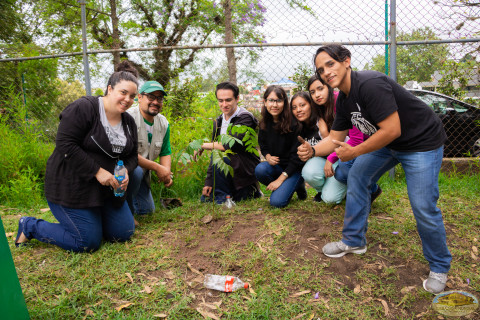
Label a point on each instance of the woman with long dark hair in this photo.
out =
(324, 98)
(311, 125)
(93, 135)
(278, 143)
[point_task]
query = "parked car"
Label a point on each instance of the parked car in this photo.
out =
(461, 121)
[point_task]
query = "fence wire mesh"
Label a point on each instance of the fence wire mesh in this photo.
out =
(275, 40)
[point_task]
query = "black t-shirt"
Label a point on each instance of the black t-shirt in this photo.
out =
(373, 97)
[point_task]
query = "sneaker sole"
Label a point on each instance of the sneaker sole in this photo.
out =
(341, 254)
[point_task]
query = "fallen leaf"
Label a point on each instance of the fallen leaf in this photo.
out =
(129, 276)
(89, 312)
(312, 239)
(338, 282)
(193, 269)
(169, 275)
(475, 249)
(207, 314)
(299, 316)
(207, 219)
(261, 249)
(147, 289)
(141, 274)
(68, 290)
(385, 306)
(199, 279)
(160, 315)
(420, 314)
(213, 305)
(301, 293)
(123, 306)
(357, 289)
(474, 256)
(407, 289)
(44, 209)
(9, 234)
(251, 290)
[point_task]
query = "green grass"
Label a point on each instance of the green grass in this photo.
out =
(277, 250)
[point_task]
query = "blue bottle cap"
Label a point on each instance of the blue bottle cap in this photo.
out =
(120, 163)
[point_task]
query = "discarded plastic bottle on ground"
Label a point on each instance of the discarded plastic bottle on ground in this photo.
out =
(119, 173)
(224, 283)
(229, 203)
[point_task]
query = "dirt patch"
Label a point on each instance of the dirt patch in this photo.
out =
(295, 238)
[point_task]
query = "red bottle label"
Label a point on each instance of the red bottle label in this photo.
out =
(229, 283)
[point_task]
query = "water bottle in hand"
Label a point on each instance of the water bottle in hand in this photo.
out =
(229, 203)
(224, 283)
(119, 173)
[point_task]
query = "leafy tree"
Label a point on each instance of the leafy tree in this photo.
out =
(302, 73)
(456, 76)
(415, 62)
(9, 20)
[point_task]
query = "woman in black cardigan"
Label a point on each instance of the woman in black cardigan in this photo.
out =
(281, 172)
(93, 134)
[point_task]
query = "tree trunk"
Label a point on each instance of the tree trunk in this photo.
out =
(232, 64)
(115, 32)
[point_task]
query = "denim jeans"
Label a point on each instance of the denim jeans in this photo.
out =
(279, 198)
(139, 195)
(223, 187)
(421, 173)
(82, 230)
(332, 190)
(342, 170)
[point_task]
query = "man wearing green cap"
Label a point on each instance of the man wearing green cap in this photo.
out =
(153, 141)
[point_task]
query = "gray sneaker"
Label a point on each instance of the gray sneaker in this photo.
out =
(435, 282)
(339, 249)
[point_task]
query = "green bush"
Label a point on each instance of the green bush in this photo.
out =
(23, 158)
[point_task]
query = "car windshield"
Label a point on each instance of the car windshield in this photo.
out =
(440, 104)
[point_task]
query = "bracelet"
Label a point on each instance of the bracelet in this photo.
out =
(313, 152)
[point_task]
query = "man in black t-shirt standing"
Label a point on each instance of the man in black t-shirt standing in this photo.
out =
(402, 129)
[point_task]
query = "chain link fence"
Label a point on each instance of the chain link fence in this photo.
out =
(437, 54)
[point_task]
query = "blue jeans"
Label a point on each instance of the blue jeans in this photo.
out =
(139, 195)
(342, 170)
(332, 190)
(223, 187)
(421, 173)
(279, 198)
(82, 230)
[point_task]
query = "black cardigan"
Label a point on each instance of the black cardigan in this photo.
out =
(283, 146)
(82, 148)
(242, 161)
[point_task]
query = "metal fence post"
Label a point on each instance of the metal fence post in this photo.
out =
(393, 52)
(86, 69)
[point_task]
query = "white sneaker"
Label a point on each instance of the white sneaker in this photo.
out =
(436, 282)
(339, 249)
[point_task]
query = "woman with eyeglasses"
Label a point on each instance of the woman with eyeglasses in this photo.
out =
(93, 135)
(281, 172)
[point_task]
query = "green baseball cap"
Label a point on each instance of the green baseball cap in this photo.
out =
(151, 86)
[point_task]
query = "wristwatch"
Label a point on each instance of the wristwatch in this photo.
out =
(285, 174)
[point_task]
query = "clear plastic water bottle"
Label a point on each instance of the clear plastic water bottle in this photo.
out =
(224, 283)
(229, 203)
(119, 173)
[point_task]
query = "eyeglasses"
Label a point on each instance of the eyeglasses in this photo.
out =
(152, 97)
(272, 101)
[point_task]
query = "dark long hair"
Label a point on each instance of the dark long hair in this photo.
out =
(312, 121)
(285, 118)
(327, 110)
(124, 71)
